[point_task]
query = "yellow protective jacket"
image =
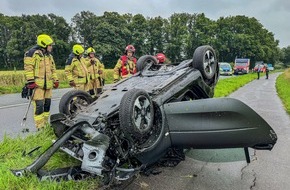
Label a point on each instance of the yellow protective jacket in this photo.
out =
(76, 70)
(102, 75)
(95, 67)
(40, 68)
(125, 67)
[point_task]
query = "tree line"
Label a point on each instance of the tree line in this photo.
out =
(177, 36)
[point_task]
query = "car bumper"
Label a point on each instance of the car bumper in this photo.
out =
(226, 72)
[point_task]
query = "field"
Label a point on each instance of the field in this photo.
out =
(13, 81)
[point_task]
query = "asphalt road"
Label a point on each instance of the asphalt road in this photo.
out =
(12, 109)
(227, 169)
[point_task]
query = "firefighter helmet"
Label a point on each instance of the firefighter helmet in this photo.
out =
(160, 57)
(130, 48)
(78, 49)
(43, 40)
(90, 50)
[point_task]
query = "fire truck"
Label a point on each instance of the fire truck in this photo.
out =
(242, 66)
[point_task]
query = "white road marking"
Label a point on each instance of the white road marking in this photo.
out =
(22, 104)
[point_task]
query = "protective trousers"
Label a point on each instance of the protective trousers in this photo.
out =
(84, 87)
(42, 102)
(96, 86)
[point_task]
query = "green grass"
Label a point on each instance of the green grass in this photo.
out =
(11, 157)
(283, 89)
(226, 86)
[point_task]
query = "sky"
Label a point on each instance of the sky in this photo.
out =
(274, 15)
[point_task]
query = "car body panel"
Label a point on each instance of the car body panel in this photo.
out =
(218, 123)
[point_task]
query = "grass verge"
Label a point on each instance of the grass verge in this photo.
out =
(283, 89)
(12, 156)
(226, 86)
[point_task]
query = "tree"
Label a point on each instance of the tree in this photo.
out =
(286, 56)
(138, 27)
(176, 33)
(4, 38)
(83, 26)
(155, 35)
(201, 31)
(177, 36)
(240, 36)
(111, 37)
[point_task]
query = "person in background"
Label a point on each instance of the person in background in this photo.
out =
(259, 68)
(40, 73)
(76, 69)
(126, 65)
(160, 58)
(267, 71)
(96, 70)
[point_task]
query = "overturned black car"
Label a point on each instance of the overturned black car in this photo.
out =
(153, 115)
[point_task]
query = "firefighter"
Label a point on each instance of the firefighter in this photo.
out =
(160, 58)
(126, 65)
(267, 71)
(40, 73)
(76, 69)
(96, 70)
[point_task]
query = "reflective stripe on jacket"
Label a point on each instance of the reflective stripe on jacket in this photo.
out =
(125, 67)
(76, 70)
(95, 69)
(40, 68)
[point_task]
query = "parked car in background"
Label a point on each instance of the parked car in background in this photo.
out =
(225, 68)
(270, 67)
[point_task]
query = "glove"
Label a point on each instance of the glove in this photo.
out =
(93, 62)
(72, 83)
(100, 72)
(24, 92)
(31, 85)
(56, 84)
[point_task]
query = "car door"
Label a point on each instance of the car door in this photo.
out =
(217, 123)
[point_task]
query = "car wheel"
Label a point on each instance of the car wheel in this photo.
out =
(74, 101)
(204, 59)
(146, 61)
(136, 113)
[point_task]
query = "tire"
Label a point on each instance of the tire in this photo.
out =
(144, 61)
(136, 113)
(74, 101)
(204, 59)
